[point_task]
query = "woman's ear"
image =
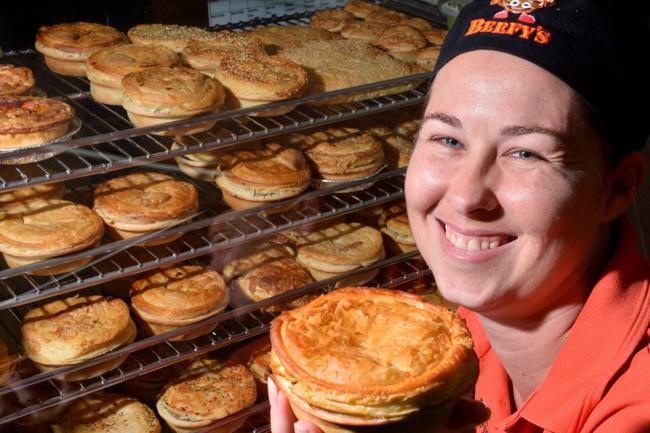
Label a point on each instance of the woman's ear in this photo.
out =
(625, 180)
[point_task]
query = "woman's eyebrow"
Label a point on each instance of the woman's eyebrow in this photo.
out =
(444, 118)
(517, 130)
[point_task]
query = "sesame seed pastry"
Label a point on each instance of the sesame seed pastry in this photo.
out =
(140, 203)
(109, 413)
(16, 80)
(330, 358)
(332, 20)
(207, 391)
(66, 46)
(276, 37)
(75, 329)
(44, 228)
(172, 36)
(106, 68)
(179, 296)
(206, 55)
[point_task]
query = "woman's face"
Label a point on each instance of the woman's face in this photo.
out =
(505, 188)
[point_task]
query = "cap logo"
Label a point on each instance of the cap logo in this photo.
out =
(524, 26)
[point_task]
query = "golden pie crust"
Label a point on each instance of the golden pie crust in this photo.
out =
(417, 23)
(387, 17)
(207, 55)
(402, 38)
(332, 20)
(331, 358)
(75, 329)
(276, 37)
(427, 57)
(21, 196)
(362, 8)
(256, 255)
(395, 225)
(145, 201)
(435, 36)
(109, 413)
(16, 80)
(207, 391)
(172, 36)
(273, 173)
(27, 121)
(363, 31)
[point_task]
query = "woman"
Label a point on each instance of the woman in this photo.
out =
(516, 193)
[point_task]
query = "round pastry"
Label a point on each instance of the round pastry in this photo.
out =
(199, 165)
(259, 364)
(435, 36)
(402, 42)
(257, 176)
(364, 31)
(179, 296)
(41, 229)
(21, 196)
(351, 382)
(164, 94)
(273, 278)
(343, 153)
(206, 55)
(28, 121)
(140, 203)
(16, 80)
(417, 23)
(362, 8)
(255, 78)
(275, 37)
(107, 67)
(395, 224)
(387, 17)
(427, 57)
(341, 248)
(171, 36)
(67, 46)
(398, 150)
(208, 391)
(256, 355)
(109, 413)
(257, 254)
(76, 329)
(332, 20)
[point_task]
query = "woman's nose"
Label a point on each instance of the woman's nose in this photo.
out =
(472, 191)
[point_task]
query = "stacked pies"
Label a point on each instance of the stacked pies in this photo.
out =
(179, 296)
(342, 248)
(249, 178)
(16, 81)
(395, 225)
(67, 46)
(206, 55)
(141, 203)
(74, 330)
(254, 78)
(343, 154)
(109, 413)
(359, 357)
(172, 36)
(206, 392)
(107, 67)
(30, 122)
(165, 94)
(45, 228)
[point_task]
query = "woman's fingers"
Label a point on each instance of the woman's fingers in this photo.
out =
(282, 418)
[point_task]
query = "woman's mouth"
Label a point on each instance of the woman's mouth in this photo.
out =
(473, 241)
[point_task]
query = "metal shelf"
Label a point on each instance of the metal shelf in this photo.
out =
(152, 353)
(213, 230)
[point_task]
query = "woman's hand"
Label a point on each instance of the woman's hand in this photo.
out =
(467, 414)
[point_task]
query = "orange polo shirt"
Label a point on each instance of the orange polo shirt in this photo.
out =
(600, 379)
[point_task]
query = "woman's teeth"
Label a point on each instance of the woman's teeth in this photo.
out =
(474, 243)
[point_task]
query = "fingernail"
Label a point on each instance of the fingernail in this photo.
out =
(273, 389)
(299, 427)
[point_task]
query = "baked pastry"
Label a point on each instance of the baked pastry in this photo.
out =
(7, 364)
(332, 20)
(248, 178)
(397, 148)
(427, 57)
(178, 296)
(387, 17)
(206, 55)
(435, 36)
(16, 80)
(206, 392)
(146, 387)
(259, 363)
(75, 329)
(330, 359)
(172, 36)
(342, 248)
(402, 42)
(21, 196)
(199, 165)
(40, 229)
(362, 8)
(107, 67)
(255, 79)
(28, 121)
(340, 64)
(163, 94)
(363, 31)
(109, 413)
(395, 225)
(140, 203)
(343, 154)
(417, 23)
(256, 355)
(257, 254)
(275, 277)
(66, 46)
(276, 37)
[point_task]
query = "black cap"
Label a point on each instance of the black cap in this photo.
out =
(588, 46)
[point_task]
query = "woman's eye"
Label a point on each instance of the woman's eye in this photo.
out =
(524, 154)
(448, 141)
